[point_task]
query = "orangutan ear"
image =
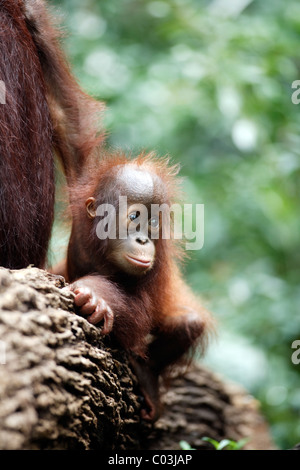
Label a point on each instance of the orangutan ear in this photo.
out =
(90, 207)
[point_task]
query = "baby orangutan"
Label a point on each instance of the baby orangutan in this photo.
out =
(124, 273)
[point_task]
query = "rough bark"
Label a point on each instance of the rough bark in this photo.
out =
(63, 386)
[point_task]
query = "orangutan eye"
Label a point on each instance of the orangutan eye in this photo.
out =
(134, 215)
(154, 222)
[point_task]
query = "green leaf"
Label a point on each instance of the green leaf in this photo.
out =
(224, 443)
(212, 441)
(185, 445)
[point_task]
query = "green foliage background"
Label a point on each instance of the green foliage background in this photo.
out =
(209, 82)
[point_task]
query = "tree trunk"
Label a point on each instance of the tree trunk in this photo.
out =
(63, 386)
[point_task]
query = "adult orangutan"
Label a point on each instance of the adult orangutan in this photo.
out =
(43, 111)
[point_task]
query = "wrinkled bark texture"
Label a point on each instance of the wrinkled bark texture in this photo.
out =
(64, 386)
